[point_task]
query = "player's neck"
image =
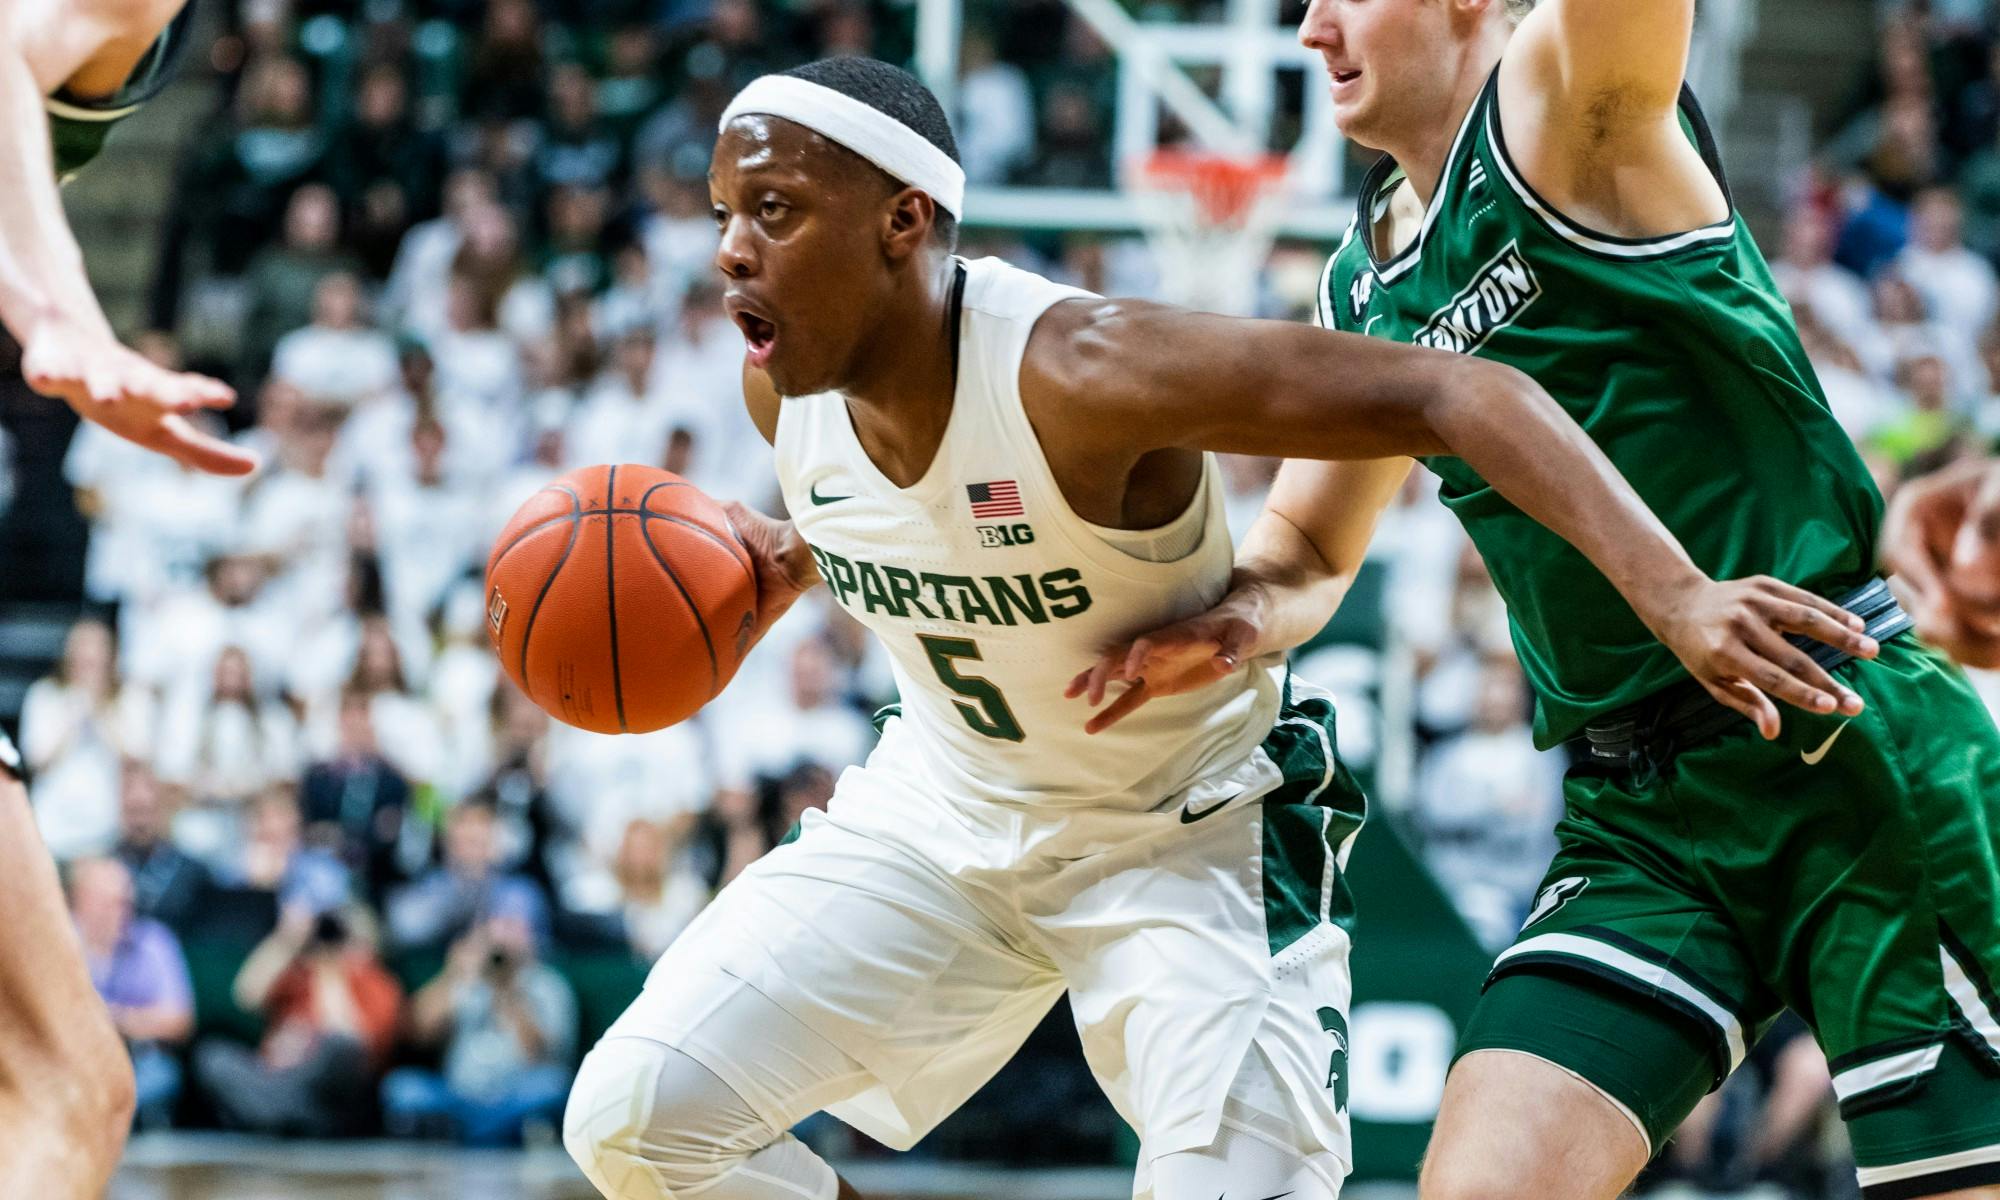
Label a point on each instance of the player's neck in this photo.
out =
(900, 391)
(1423, 154)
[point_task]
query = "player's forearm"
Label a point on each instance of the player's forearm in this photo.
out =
(1283, 585)
(1305, 550)
(1505, 427)
(41, 267)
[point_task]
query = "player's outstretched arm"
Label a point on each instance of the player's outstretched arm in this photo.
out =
(1941, 539)
(1293, 569)
(1197, 381)
(68, 349)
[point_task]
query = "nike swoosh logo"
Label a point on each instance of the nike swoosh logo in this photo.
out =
(1189, 816)
(819, 499)
(1812, 760)
(1279, 1196)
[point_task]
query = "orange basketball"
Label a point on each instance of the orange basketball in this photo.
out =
(619, 599)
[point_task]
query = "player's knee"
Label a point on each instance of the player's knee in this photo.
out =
(645, 1120)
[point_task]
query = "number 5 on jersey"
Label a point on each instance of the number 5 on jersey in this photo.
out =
(987, 713)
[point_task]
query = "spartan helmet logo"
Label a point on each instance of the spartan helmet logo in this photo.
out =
(1358, 295)
(1554, 897)
(1336, 1070)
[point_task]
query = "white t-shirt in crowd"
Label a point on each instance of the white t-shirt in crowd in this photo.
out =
(616, 424)
(1958, 287)
(996, 122)
(1487, 804)
(75, 752)
(341, 366)
(157, 524)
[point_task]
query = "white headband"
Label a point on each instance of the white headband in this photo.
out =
(873, 134)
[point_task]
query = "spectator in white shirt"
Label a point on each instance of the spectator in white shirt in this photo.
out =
(426, 529)
(1487, 807)
(996, 113)
(154, 523)
(176, 640)
(1807, 275)
(814, 724)
(679, 234)
(598, 784)
(339, 358)
(548, 457)
(405, 727)
(415, 296)
(698, 381)
(77, 727)
(650, 889)
(223, 746)
(1957, 285)
(638, 295)
(296, 513)
(620, 421)
(1914, 332)
(462, 683)
(475, 358)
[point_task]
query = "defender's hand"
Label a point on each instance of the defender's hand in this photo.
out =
(1177, 658)
(136, 399)
(785, 567)
(1941, 539)
(1728, 636)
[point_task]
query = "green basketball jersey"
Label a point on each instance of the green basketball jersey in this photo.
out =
(1677, 354)
(78, 127)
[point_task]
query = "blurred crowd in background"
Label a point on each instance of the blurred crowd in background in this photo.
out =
(448, 249)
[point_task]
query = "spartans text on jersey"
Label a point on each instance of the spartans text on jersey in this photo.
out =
(926, 595)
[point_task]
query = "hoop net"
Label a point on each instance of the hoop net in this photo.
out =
(1211, 219)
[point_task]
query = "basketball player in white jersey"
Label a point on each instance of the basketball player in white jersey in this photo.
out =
(999, 475)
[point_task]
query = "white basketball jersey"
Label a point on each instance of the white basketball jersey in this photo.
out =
(990, 594)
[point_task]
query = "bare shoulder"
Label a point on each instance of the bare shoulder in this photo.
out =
(88, 46)
(762, 400)
(1087, 346)
(1586, 86)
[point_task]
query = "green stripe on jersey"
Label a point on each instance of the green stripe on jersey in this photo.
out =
(1306, 820)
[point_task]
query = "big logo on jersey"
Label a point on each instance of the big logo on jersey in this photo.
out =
(1495, 299)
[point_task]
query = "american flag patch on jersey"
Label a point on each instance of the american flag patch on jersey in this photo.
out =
(1001, 498)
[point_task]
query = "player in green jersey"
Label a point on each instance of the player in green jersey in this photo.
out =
(1550, 198)
(69, 69)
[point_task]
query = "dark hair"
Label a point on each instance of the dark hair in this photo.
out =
(897, 93)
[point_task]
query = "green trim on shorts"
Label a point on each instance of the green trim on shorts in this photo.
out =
(1307, 818)
(1656, 1061)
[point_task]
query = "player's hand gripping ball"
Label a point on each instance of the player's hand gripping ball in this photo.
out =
(620, 599)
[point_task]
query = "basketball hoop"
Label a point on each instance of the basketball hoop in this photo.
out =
(1211, 218)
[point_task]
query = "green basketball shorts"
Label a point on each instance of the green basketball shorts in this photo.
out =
(1849, 871)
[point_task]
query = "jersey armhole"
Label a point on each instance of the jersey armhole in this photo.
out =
(148, 78)
(1605, 245)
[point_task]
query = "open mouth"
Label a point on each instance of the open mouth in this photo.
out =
(759, 336)
(1343, 78)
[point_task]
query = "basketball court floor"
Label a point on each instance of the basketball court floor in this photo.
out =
(199, 1166)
